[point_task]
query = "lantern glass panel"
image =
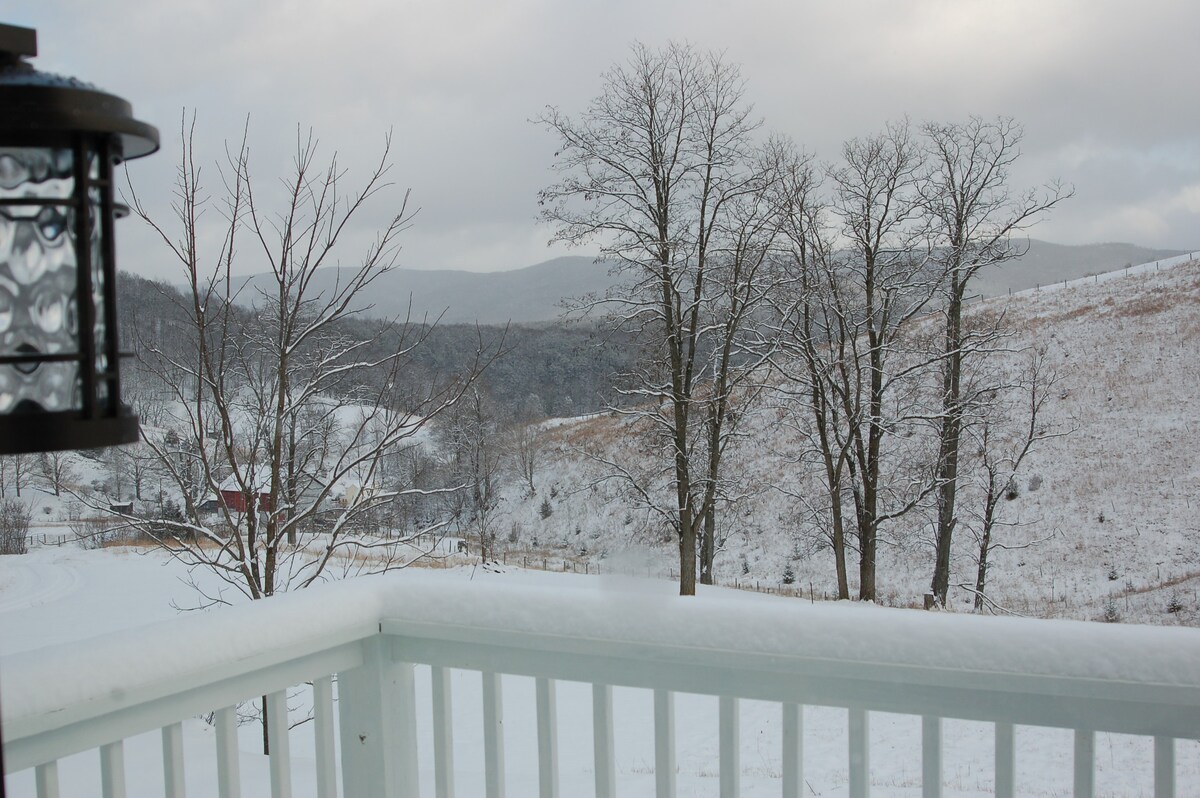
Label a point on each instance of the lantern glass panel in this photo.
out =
(39, 255)
(95, 199)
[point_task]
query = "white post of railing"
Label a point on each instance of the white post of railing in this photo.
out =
(280, 761)
(729, 745)
(547, 732)
(46, 777)
(493, 736)
(443, 734)
(931, 757)
(793, 750)
(664, 744)
(1085, 763)
(112, 770)
(602, 741)
(323, 734)
(172, 740)
(1164, 767)
(375, 709)
(228, 775)
(860, 761)
(1006, 761)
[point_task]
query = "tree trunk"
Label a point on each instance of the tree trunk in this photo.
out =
(866, 563)
(985, 543)
(868, 524)
(951, 429)
(708, 546)
(985, 539)
(687, 555)
(839, 553)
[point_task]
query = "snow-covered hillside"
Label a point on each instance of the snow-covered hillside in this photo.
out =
(1107, 524)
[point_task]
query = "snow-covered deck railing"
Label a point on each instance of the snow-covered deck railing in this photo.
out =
(363, 638)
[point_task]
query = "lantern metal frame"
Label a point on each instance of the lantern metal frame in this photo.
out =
(49, 112)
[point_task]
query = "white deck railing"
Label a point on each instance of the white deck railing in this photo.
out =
(361, 640)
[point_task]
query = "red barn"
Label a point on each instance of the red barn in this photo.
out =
(233, 497)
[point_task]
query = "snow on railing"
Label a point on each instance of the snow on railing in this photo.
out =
(361, 639)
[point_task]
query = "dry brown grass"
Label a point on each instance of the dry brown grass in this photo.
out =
(1158, 301)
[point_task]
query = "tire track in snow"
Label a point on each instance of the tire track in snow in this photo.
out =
(30, 584)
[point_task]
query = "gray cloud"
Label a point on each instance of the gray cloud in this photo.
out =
(1103, 88)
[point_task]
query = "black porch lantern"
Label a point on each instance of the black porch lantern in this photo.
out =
(59, 362)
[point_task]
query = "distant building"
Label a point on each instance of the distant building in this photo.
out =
(235, 498)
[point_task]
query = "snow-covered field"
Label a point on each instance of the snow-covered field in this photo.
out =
(57, 595)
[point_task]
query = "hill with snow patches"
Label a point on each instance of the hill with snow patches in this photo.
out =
(1104, 521)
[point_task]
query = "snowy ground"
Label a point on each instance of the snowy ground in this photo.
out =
(61, 594)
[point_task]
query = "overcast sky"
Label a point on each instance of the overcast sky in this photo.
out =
(1106, 92)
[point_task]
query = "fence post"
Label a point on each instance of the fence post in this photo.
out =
(376, 707)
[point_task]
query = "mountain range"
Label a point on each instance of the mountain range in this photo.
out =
(539, 293)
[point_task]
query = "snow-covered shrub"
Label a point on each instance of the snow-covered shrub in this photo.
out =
(545, 510)
(90, 533)
(1111, 613)
(14, 527)
(789, 575)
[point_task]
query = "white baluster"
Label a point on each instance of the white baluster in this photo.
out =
(172, 740)
(664, 744)
(493, 736)
(1006, 761)
(1085, 763)
(280, 764)
(112, 770)
(443, 734)
(228, 770)
(547, 732)
(793, 750)
(46, 777)
(602, 741)
(323, 733)
(931, 757)
(729, 743)
(1164, 767)
(860, 754)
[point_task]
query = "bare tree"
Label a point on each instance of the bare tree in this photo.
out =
(972, 216)
(15, 470)
(528, 443)
(1008, 429)
(811, 344)
(874, 287)
(471, 438)
(14, 526)
(741, 282)
(270, 409)
(648, 171)
(56, 470)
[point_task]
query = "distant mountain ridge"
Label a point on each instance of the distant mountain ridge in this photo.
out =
(539, 293)
(529, 295)
(1045, 263)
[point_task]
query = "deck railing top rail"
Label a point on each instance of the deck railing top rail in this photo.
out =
(1141, 680)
